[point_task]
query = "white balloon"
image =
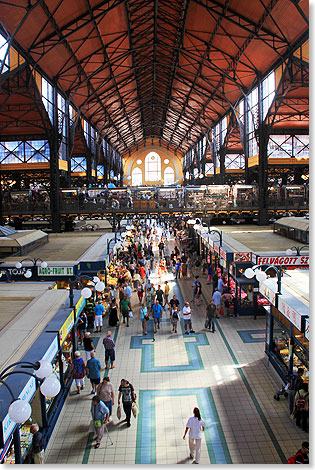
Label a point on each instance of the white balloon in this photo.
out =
(50, 387)
(28, 274)
(260, 275)
(86, 293)
(249, 273)
(18, 265)
(43, 264)
(20, 411)
(100, 286)
(45, 370)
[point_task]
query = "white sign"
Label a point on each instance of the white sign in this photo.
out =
(307, 328)
(27, 394)
(55, 271)
(51, 351)
(267, 292)
(283, 260)
(290, 313)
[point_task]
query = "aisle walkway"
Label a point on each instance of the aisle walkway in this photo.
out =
(225, 374)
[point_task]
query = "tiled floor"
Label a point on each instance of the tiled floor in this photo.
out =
(223, 374)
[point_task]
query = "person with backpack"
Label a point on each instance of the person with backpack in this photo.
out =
(301, 457)
(301, 403)
(174, 317)
(294, 384)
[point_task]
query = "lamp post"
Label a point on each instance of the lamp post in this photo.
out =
(262, 276)
(20, 410)
(86, 291)
(218, 233)
(109, 242)
(28, 273)
(289, 251)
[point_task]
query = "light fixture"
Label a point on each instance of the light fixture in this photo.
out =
(261, 276)
(50, 387)
(249, 273)
(45, 369)
(100, 286)
(28, 274)
(43, 264)
(20, 411)
(86, 293)
(18, 265)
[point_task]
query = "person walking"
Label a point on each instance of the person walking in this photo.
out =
(140, 292)
(144, 317)
(88, 345)
(93, 370)
(78, 370)
(227, 299)
(98, 319)
(159, 294)
(113, 314)
(157, 314)
(37, 444)
(82, 324)
(109, 346)
(174, 317)
(125, 307)
(105, 391)
(301, 457)
(195, 288)
(195, 425)
(187, 311)
(198, 293)
(166, 293)
(127, 393)
(100, 416)
(301, 405)
(216, 297)
(211, 311)
(294, 384)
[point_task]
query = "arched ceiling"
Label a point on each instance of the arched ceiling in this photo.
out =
(165, 69)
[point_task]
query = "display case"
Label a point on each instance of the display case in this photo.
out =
(26, 445)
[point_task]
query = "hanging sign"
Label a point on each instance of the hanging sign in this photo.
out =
(283, 260)
(55, 271)
(66, 327)
(290, 313)
(267, 292)
(242, 257)
(307, 328)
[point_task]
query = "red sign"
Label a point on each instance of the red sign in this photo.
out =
(242, 257)
(283, 260)
(223, 254)
(216, 247)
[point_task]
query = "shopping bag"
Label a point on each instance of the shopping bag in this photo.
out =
(207, 323)
(222, 311)
(119, 413)
(134, 409)
(130, 314)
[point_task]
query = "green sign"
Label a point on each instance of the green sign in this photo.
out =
(56, 271)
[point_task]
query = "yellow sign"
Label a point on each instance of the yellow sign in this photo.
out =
(66, 327)
(79, 306)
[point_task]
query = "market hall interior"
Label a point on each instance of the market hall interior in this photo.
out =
(162, 143)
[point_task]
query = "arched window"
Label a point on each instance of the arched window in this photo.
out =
(169, 176)
(152, 167)
(136, 177)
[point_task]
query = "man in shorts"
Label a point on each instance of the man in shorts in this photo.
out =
(93, 370)
(157, 314)
(109, 346)
(187, 311)
(98, 320)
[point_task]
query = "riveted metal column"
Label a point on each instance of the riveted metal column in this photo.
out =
(263, 136)
(54, 169)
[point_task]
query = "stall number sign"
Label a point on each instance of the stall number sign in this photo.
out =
(216, 247)
(283, 260)
(242, 257)
(56, 271)
(7, 424)
(290, 313)
(66, 327)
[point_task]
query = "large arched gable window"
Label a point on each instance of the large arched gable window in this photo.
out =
(136, 177)
(169, 176)
(152, 167)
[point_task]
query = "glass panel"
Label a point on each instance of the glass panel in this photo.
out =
(169, 176)
(136, 177)
(3, 57)
(152, 167)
